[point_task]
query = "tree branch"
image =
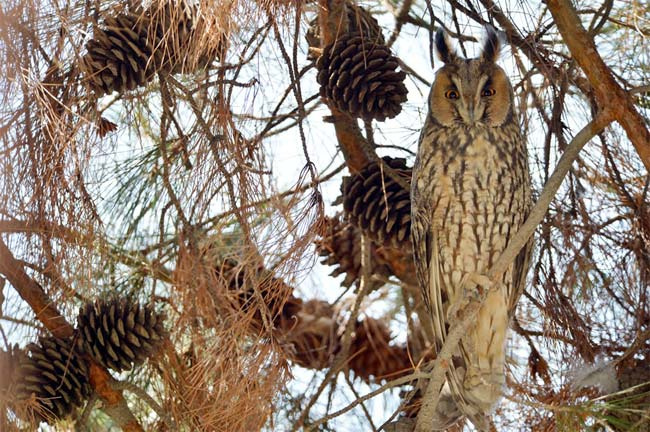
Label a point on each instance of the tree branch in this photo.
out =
(33, 294)
(395, 383)
(607, 91)
(346, 339)
(440, 365)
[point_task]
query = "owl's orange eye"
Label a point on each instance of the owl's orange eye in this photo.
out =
(451, 94)
(488, 92)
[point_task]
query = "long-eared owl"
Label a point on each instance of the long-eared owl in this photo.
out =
(470, 193)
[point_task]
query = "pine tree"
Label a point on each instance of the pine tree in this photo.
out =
(205, 214)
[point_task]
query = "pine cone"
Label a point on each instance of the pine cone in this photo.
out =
(243, 281)
(379, 206)
(359, 76)
(119, 55)
(359, 21)
(341, 247)
(127, 50)
(308, 331)
(119, 333)
(56, 374)
(372, 355)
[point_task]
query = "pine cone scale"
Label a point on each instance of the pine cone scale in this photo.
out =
(56, 374)
(378, 205)
(118, 333)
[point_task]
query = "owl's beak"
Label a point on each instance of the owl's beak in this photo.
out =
(470, 112)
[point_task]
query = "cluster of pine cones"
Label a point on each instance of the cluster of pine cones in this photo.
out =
(128, 49)
(375, 205)
(358, 74)
(310, 330)
(50, 378)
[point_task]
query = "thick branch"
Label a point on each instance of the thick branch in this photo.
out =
(440, 365)
(607, 91)
(113, 400)
(33, 294)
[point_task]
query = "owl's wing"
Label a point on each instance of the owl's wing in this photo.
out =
(420, 239)
(427, 267)
(519, 272)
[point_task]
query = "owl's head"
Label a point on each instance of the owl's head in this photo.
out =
(471, 91)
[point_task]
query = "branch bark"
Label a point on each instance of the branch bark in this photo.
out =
(440, 365)
(607, 91)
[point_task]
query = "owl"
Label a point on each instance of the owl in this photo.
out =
(470, 193)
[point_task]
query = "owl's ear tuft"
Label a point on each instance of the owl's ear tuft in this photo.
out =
(445, 50)
(491, 46)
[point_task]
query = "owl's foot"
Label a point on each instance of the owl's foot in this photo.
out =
(473, 286)
(481, 280)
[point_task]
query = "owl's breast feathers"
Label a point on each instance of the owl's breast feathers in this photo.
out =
(470, 194)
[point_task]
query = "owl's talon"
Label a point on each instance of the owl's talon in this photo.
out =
(470, 293)
(481, 280)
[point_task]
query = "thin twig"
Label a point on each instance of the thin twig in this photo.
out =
(394, 383)
(342, 356)
(132, 388)
(363, 405)
(400, 20)
(82, 423)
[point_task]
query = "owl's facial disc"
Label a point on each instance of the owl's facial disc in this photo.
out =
(471, 93)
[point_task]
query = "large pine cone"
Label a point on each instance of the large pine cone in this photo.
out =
(341, 247)
(372, 355)
(56, 374)
(127, 50)
(378, 205)
(245, 280)
(119, 55)
(119, 333)
(359, 21)
(359, 76)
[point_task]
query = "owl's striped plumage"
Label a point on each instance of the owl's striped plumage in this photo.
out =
(470, 193)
